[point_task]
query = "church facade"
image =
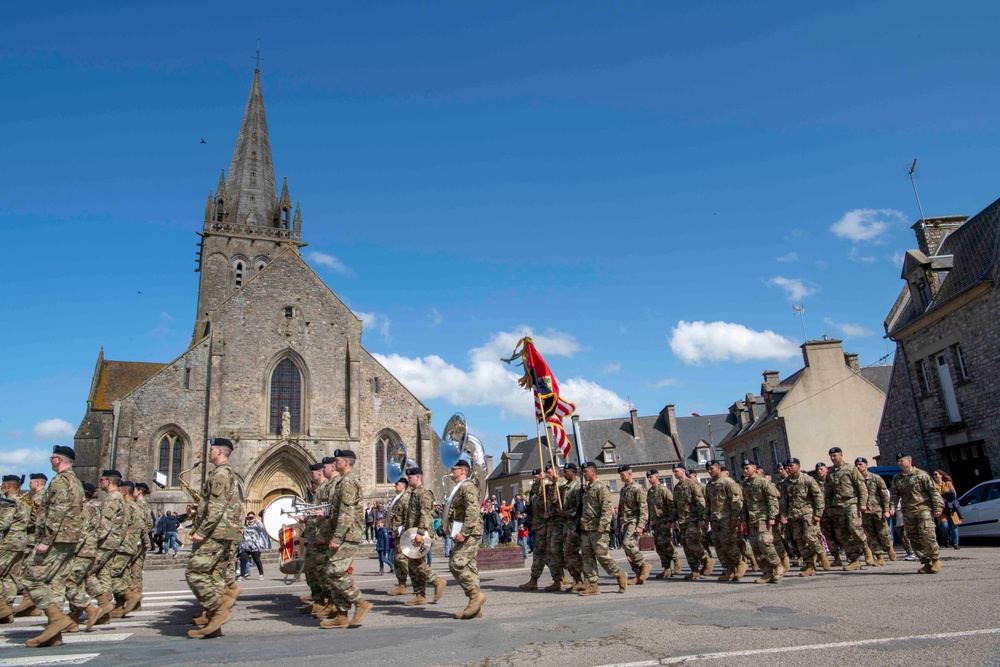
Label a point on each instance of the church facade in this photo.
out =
(275, 363)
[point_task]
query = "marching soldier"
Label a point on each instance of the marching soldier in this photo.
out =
(465, 509)
(632, 517)
(689, 501)
(127, 554)
(145, 519)
(874, 519)
(346, 526)
(760, 514)
(826, 521)
(321, 606)
(782, 543)
(801, 509)
(57, 532)
(662, 517)
(216, 535)
(36, 489)
(921, 504)
(746, 553)
(595, 522)
(310, 526)
(78, 592)
(536, 519)
(554, 527)
(846, 496)
(724, 505)
(572, 495)
(112, 532)
(14, 520)
(395, 523)
(420, 515)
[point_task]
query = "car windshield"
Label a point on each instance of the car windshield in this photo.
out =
(979, 494)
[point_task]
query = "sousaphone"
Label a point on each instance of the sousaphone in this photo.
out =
(395, 470)
(456, 444)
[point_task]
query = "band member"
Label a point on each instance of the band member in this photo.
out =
(346, 526)
(420, 514)
(217, 533)
(78, 593)
(145, 519)
(14, 520)
(395, 523)
(60, 520)
(310, 527)
(323, 607)
(36, 489)
(462, 562)
(127, 553)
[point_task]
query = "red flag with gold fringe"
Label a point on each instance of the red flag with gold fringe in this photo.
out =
(550, 407)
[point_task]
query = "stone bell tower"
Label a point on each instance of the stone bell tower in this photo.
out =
(246, 223)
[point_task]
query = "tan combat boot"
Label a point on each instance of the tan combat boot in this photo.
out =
(824, 562)
(590, 589)
(104, 606)
(677, 564)
(754, 567)
(786, 564)
(361, 607)
(666, 574)
(880, 561)
(530, 584)
(693, 575)
(476, 600)
(836, 559)
(400, 589)
(935, 566)
(74, 618)
(643, 573)
(869, 558)
(217, 617)
(201, 620)
(556, 585)
(622, 581)
(727, 574)
(578, 584)
(326, 611)
(439, 585)
(415, 600)
(58, 622)
(808, 571)
(741, 569)
(892, 554)
(853, 565)
(310, 608)
(709, 566)
(337, 620)
(132, 600)
(233, 591)
(119, 609)
(26, 608)
(763, 579)
(6, 613)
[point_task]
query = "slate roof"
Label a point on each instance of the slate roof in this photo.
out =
(878, 376)
(119, 378)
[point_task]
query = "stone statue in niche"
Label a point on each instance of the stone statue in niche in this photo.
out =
(286, 422)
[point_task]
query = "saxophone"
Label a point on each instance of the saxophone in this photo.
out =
(195, 496)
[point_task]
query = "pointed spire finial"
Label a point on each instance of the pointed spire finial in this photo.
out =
(257, 57)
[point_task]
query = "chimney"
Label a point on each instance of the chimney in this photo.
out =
(634, 416)
(489, 465)
(670, 417)
(512, 440)
(851, 359)
(771, 378)
(752, 413)
(739, 410)
(930, 232)
(577, 438)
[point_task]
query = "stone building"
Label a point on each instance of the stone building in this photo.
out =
(943, 405)
(829, 402)
(644, 442)
(275, 362)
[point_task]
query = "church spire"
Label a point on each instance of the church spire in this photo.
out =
(251, 196)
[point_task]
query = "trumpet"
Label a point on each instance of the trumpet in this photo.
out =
(300, 508)
(195, 496)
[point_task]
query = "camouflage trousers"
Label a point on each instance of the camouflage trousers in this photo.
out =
(571, 551)
(877, 532)
(594, 551)
(920, 531)
(693, 541)
(462, 563)
(45, 575)
(745, 551)
(121, 572)
(135, 571)
(807, 537)
(554, 549)
(80, 588)
(207, 569)
(343, 591)
(826, 528)
(401, 566)
(421, 574)
(100, 573)
(847, 527)
(630, 542)
(727, 543)
(10, 574)
(314, 569)
(663, 540)
(783, 542)
(538, 555)
(762, 541)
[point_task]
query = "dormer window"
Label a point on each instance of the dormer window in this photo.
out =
(923, 292)
(609, 456)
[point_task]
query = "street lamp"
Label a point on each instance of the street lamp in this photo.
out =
(710, 437)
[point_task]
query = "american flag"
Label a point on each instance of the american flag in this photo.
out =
(550, 407)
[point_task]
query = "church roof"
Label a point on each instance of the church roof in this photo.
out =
(116, 379)
(250, 187)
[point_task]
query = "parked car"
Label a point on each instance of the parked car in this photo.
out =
(981, 510)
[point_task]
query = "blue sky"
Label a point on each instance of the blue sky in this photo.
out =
(646, 188)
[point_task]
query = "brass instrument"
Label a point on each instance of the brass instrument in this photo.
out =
(395, 470)
(457, 443)
(195, 496)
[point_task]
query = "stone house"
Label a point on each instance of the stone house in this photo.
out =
(943, 405)
(829, 402)
(275, 362)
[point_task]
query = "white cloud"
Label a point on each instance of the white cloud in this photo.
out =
(375, 322)
(611, 369)
(330, 262)
(866, 224)
(789, 258)
(695, 342)
(436, 317)
(487, 381)
(53, 429)
(668, 382)
(794, 287)
(848, 329)
(856, 256)
(897, 258)
(23, 457)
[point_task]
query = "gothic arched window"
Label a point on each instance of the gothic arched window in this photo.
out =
(219, 210)
(171, 457)
(382, 448)
(286, 391)
(238, 275)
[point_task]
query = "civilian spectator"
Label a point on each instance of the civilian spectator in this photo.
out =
(950, 518)
(615, 541)
(158, 532)
(506, 530)
(254, 541)
(382, 546)
(369, 523)
(170, 526)
(522, 538)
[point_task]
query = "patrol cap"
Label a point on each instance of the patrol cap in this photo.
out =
(589, 464)
(316, 466)
(713, 462)
(63, 450)
(142, 486)
(345, 454)
(221, 442)
(39, 475)
(13, 478)
(536, 471)
(415, 470)
(624, 467)
(111, 473)
(748, 462)
(820, 465)
(571, 466)
(679, 466)
(651, 472)
(835, 450)
(328, 460)
(861, 459)
(461, 463)
(89, 489)
(791, 461)
(127, 484)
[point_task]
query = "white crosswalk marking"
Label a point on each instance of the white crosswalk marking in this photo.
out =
(48, 660)
(84, 638)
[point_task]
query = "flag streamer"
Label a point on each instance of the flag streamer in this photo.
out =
(550, 407)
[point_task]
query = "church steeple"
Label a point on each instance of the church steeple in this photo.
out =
(251, 196)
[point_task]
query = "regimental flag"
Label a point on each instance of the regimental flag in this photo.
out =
(550, 407)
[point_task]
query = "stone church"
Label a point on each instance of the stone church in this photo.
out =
(275, 363)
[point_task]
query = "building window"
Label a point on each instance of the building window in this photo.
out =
(238, 275)
(925, 295)
(260, 265)
(613, 485)
(286, 391)
(960, 361)
(187, 378)
(171, 457)
(289, 311)
(380, 448)
(218, 211)
(609, 456)
(948, 389)
(922, 377)
(775, 454)
(732, 463)
(756, 456)
(703, 455)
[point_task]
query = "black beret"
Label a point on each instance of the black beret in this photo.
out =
(536, 471)
(820, 465)
(723, 466)
(571, 466)
(328, 460)
(142, 486)
(901, 455)
(651, 472)
(415, 470)
(13, 478)
(713, 462)
(589, 464)
(679, 466)
(88, 488)
(624, 467)
(63, 450)
(345, 454)
(748, 462)
(835, 450)
(791, 461)
(548, 467)
(861, 459)
(221, 442)
(461, 463)
(127, 484)
(111, 473)
(315, 467)
(39, 475)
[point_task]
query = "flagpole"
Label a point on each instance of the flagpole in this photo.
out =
(548, 441)
(541, 461)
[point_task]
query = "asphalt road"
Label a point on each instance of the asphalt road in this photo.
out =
(879, 616)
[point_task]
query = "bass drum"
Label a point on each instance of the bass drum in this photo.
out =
(292, 549)
(275, 516)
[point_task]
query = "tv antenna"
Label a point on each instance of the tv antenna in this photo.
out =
(911, 171)
(800, 310)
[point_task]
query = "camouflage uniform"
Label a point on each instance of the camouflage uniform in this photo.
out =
(79, 587)
(632, 515)
(218, 522)
(873, 520)
(595, 523)
(554, 530)
(845, 495)
(920, 502)
(689, 502)
(783, 545)
(59, 526)
(346, 526)
(395, 521)
(538, 524)
(801, 500)
(145, 518)
(420, 514)
(662, 516)
(13, 544)
(465, 508)
(128, 551)
(571, 538)
(316, 556)
(761, 501)
(112, 532)
(724, 503)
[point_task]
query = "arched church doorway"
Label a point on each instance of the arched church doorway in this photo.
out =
(282, 471)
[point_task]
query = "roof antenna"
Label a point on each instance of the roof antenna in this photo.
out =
(913, 169)
(800, 310)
